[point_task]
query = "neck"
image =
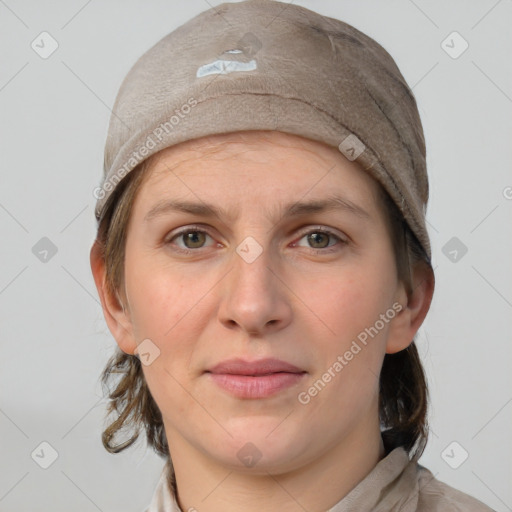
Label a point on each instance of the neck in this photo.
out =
(205, 485)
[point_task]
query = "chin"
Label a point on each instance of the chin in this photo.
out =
(255, 459)
(267, 446)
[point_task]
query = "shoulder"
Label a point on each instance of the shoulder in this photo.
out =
(436, 496)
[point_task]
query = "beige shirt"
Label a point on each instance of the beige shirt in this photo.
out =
(395, 484)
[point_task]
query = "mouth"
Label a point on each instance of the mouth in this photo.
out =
(255, 379)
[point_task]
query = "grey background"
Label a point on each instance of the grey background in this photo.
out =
(54, 341)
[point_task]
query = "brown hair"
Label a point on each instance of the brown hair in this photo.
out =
(403, 397)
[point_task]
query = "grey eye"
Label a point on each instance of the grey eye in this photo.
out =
(193, 239)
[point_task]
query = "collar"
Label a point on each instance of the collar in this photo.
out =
(393, 484)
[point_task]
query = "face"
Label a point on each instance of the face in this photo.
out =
(262, 248)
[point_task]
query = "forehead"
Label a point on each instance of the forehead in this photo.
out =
(275, 165)
(273, 144)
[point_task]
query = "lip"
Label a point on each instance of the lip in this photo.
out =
(254, 368)
(255, 379)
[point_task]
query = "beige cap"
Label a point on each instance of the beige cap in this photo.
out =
(268, 65)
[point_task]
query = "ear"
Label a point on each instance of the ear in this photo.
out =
(415, 306)
(116, 315)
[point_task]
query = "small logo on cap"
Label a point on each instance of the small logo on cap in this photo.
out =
(223, 67)
(248, 45)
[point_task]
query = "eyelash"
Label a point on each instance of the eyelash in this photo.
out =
(198, 229)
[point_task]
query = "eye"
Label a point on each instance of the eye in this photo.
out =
(188, 239)
(319, 240)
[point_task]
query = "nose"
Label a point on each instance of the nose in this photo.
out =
(255, 298)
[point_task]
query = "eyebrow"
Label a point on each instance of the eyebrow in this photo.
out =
(290, 210)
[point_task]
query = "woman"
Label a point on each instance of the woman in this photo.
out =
(263, 263)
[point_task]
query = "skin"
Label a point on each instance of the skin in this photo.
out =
(296, 301)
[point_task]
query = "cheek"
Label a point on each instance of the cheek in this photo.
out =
(166, 310)
(168, 307)
(352, 342)
(349, 301)
(154, 304)
(159, 296)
